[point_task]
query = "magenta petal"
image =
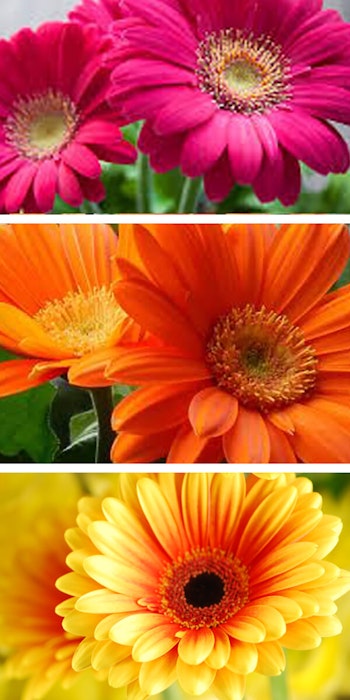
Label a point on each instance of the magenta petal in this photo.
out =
(244, 148)
(18, 186)
(186, 109)
(164, 151)
(203, 146)
(310, 140)
(291, 180)
(323, 100)
(81, 159)
(68, 186)
(268, 183)
(218, 181)
(45, 185)
(98, 131)
(93, 190)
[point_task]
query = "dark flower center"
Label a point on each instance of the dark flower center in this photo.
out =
(204, 590)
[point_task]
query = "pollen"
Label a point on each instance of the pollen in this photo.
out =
(242, 73)
(261, 358)
(41, 125)
(204, 588)
(82, 322)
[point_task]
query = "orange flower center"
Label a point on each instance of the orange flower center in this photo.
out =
(204, 588)
(41, 124)
(82, 321)
(243, 73)
(261, 358)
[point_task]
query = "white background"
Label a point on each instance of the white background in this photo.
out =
(17, 13)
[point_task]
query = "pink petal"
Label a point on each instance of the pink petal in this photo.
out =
(18, 186)
(218, 181)
(204, 145)
(45, 185)
(68, 186)
(244, 148)
(81, 159)
(186, 108)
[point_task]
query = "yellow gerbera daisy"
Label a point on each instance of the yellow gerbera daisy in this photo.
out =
(36, 509)
(200, 579)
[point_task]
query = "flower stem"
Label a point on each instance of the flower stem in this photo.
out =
(101, 398)
(279, 688)
(190, 195)
(144, 193)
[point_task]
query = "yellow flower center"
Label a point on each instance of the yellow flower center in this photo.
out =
(242, 73)
(82, 322)
(41, 124)
(261, 358)
(204, 588)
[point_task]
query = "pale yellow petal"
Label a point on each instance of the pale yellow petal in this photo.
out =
(243, 658)
(123, 673)
(228, 685)
(271, 661)
(196, 645)
(220, 653)
(194, 680)
(156, 676)
(155, 642)
(129, 628)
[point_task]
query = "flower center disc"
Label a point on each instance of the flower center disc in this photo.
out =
(41, 125)
(261, 358)
(82, 322)
(242, 73)
(204, 588)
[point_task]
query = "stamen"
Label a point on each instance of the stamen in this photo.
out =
(261, 358)
(243, 73)
(82, 322)
(41, 125)
(204, 588)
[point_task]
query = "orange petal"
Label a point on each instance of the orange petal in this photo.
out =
(195, 489)
(154, 406)
(330, 315)
(90, 370)
(250, 244)
(187, 447)
(320, 435)
(27, 334)
(227, 493)
(158, 314)
(141, 448)
(305, 260)
(142, 365)
(281, 449)
(169, 533)
(15, 376)
(212, 412)
(248, 441)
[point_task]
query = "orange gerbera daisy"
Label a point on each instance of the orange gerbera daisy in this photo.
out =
(253, 363)
(57, 303)
(200, 579)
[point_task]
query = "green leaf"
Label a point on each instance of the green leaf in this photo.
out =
(25, 426)
(83, 434)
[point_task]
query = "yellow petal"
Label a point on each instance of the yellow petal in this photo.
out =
(129, 629)
(123, 673)
(194, 680)
(157, 675)
(228, 685)
(271, 661)
(155, 643)
(243, 658)
(220, 653)
(196, 645)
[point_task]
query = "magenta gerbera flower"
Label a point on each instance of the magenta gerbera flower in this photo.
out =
(99, 12)
(55, 123)
(237, 91)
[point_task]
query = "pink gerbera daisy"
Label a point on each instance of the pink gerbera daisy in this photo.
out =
(237, 91)
(55, 123)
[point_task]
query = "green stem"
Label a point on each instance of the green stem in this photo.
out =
(279, 687)
(144, 193)
(90, 208)
(190, 195)
(102, 402)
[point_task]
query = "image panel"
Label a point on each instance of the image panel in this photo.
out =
(188, 584)
(168, 106)
(178, 343)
